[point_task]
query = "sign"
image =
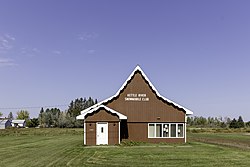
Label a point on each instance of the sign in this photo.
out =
(136, 97)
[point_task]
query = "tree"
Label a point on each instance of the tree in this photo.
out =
(1, 114)
(76, 106)
(227, 121)
(248, 124)
(233, 124)
(190, 121)
(240, 122)
(10, 116)
(32, 123)
(223, 125)
(23, 114)
(40, 117)
(90, 102)
(66, 121)
(55, 112)
(49, 117)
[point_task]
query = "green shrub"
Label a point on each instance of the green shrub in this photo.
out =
(131, 143)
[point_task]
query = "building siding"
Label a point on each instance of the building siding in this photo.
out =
(91, 133)
(102, 116)
(141, 104)
(140, 113)
(154, 110)
(113, 130)
(4, 124)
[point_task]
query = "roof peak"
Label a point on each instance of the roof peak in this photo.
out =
(138, 67)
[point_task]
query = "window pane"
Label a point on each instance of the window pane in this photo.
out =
(151, 130)
(180, 130)
(173, 130)
(158, 130)
(165, 130)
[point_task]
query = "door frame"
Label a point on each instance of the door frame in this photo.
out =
(107, 133)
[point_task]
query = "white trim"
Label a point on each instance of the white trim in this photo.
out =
(185, 128)
(169, 130)
(84, 133)
(119, 133)
(185, 132)
(106, 134)
(138, 68)
(82, 116)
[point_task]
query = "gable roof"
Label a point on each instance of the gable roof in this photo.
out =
(121, 116)
(138, 68)
(3, 122)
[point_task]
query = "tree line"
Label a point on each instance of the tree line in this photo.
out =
(54, 117)
(215, 122)
(65, 119)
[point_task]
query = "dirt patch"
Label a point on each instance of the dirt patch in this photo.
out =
(225, 143)
(247, 134)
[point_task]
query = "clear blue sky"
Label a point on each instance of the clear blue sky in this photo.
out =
(196, 53)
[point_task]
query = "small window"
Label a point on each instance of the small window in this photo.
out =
(165, 130)
(151, 130)
(158, 130)
(180, 130)
(101, 129)
(173, 130)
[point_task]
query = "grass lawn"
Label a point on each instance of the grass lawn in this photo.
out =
(63, 147)
(239, 140)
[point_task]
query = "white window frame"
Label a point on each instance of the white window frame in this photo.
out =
(169, 130)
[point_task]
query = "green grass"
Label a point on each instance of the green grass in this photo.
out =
(63, 147)
(238, 140)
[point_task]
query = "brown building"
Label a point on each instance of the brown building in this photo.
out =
(137, 112)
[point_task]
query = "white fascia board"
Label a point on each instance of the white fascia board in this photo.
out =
(82, 116)
(188, 112)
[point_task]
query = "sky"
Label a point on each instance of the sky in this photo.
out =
(196, 53)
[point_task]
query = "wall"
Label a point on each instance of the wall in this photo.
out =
(153, 110)
(90, 133)
(149, 108)
(113, 136)
(102, 116)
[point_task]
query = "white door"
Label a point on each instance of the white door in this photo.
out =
(101, 133)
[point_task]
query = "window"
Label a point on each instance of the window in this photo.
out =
(151, 130)
(158, 130)
(180, 130)
(173, 130)
(165, 130)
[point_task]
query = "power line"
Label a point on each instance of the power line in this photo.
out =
(32, 107)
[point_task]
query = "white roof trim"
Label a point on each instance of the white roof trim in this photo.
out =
(138, 68)
(82, 116)
(19, 121)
